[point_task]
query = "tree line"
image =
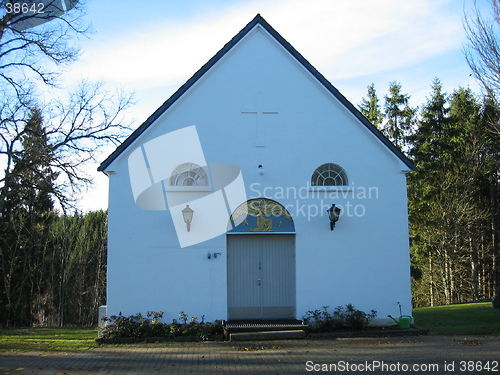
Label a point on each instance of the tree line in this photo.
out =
(453, 195)
(52, 264)
(53, 268)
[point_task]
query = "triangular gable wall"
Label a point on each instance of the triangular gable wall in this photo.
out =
(258, 20)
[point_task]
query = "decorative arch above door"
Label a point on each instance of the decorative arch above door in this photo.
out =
(262, 216)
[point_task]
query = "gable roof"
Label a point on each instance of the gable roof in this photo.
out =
(258, 20)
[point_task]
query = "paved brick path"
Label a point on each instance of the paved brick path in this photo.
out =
(370, 355)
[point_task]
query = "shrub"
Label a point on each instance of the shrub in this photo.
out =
(135, 326)
(342, 317)
(355, 319)
(322, 320)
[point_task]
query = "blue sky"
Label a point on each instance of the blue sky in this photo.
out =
(153, 47)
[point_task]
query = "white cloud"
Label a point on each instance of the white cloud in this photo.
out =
(372, 37)
(342, 39)
(161, 55)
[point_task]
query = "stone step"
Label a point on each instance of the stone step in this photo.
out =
(267, 335)
(233, 328)
(264, 325)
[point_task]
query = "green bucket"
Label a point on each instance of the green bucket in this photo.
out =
(404, 321)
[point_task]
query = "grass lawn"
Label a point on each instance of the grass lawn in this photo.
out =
(47, 339)
(461, 319)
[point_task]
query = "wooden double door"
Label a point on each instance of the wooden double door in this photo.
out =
(261, 276)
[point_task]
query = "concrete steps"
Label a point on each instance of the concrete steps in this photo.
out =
(267, 335)
(264, 330)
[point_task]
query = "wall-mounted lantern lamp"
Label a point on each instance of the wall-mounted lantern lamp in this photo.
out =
(187, 214)
(333, 215)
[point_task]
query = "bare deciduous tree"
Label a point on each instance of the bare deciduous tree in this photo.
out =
(33, 49)
(483, 49)
(37, 52)
(76, 127)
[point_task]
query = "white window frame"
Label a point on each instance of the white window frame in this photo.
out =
(186, 168)
(339, 170)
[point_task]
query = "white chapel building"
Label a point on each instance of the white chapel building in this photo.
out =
(219, 203)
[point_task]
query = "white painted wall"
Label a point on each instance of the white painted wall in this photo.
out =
(364, 261)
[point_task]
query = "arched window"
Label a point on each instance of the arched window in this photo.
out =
(189, 174)
(329, 174)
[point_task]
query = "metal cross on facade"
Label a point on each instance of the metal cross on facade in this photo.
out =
(260, 131)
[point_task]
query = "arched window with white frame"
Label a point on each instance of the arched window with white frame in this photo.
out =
(189, 174)
(329, 174)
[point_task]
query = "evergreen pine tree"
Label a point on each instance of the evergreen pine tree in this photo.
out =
(27, 213)
(399, 115)
(370, 107)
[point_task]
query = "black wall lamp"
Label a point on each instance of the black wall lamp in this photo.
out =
(187, 214)
(333, 215)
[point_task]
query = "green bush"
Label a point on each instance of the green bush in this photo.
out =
(135, 326)
(342, 317)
